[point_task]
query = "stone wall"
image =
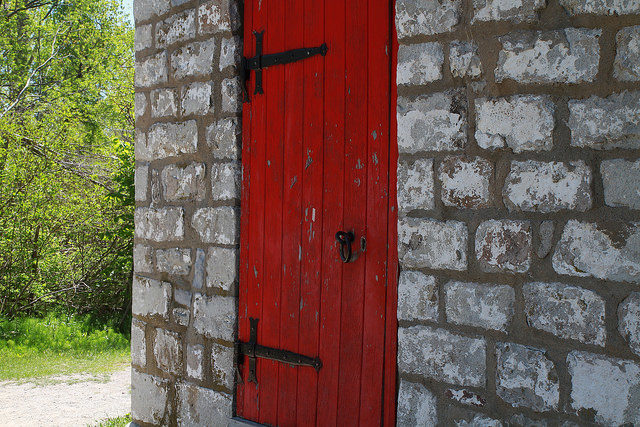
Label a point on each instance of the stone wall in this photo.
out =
(519, 229)
(187, 210)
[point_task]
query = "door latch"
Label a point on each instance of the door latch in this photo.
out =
(345, 239)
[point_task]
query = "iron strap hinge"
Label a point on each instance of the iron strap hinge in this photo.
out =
(253, 350)
(259, 62)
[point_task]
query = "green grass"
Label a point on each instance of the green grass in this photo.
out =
(115, 422)
(36, 348)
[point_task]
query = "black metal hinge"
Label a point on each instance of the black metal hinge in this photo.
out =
(259, 62)
(253, 350)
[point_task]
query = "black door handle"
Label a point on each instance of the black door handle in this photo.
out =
(345, 239)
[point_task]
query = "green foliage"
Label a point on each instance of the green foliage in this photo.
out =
(66, 158)
(116, 422)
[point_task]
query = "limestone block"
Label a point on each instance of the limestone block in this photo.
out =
(417, 296)
(465, 182)
(426, 243)
(504, 245)
(480, 305)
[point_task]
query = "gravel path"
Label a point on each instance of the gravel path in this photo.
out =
(76, 400)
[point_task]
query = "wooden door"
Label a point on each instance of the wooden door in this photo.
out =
(316, 160)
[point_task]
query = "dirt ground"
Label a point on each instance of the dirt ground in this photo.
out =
(76, 400)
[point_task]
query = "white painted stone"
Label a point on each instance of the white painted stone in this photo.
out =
(521, 122)
(605, 386)
(167, 351)
(231, 91)
(223, 137)
(465, 182)
(194, 361)
(506, 10)
(621, 182)
(151, 71)
(606, 123)
(504, 245)
(149, 398)
(436, 122)
(215, 317)
(193, 60)
(426, 17)
(601, 7)
(230, 52)
(177, 28)
(426, 243)
(419, 64)
(225, 181)
(159, 225)
(184, 182)
(626, 66)
(218, 16)
(163, 103)
(566, 311)
(416, 406)
(143, 38)
(196, 99)
(199, 406)
(142, 259)
(610, 252)
(442, 355)
(169, 140)
(150, 297)
(548, 187)
(480, 305)
(216, 225)
(182, 296)
(138, 343)
(525, 377)
(181, 316)
(417, 296)
(629, 321)
(222, 268)
(146, 9)
(141, 180)
(466, 397)
(415, 185)
(222, 365)
(173, 261)
(570, 55)
(464, 60)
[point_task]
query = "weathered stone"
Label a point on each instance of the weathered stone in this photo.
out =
(465, 182)
(149, 397)
(546, 238)
(140, 105)
(222, 268)
(464, 60)
(627, 63)
(548, 187)
(138, 343)
(521, 122)
(216, 225)
(426, 17)
(417, 296)
(167, 350)
(168, 140)
(181, 316)
(435, 122)
(173, 261)
(218, 16)
(466, 397)
(570, 55)
(500, 10)
(194, 362)
(629, 321)
(601, 7)
(416, 406)
(605, 388)
(231, 95)
(523, 421)
(215, 317)
(141, 180)
(151, 71)
(163, 103)
(606, 123)
(419, 64)
(525, 377)
(565, 311)
(222, 365)
(230, 52)
(479, 305)
(199, 406)
(608, 251)
(142, 259)
(143, 38)
(145, 9)
(426, 243)
(442, 355)
(195, 59)
(150, 297)
(415, 185)
(621, 182)
(184, 182)
(472, 419)
(225, 181)
(223, 138)
(177, 28)
(159, 225)
(504, 245)
(196, 99)
(199, 269)
(182, 296)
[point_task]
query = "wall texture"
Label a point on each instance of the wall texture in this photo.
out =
(519, 229)
(518, 196)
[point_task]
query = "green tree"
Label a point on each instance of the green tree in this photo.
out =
(66, 157)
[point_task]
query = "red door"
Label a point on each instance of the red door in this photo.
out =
(316, 161)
